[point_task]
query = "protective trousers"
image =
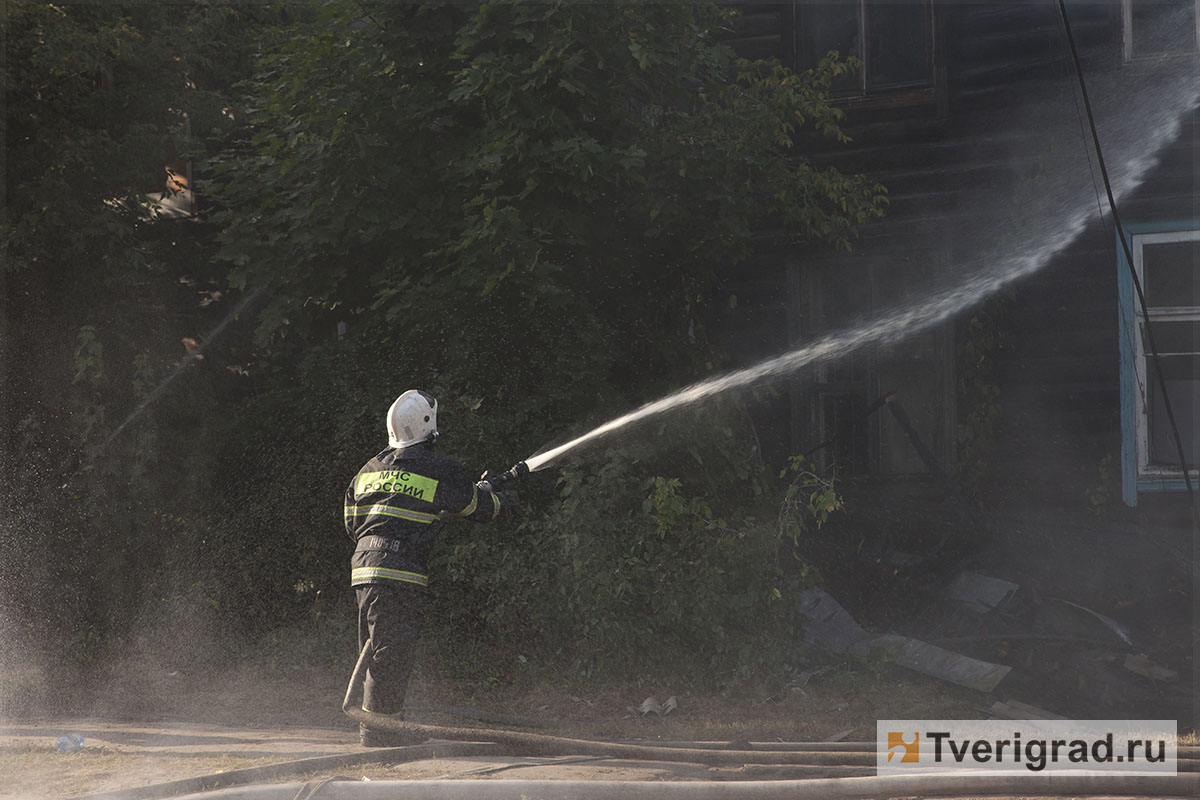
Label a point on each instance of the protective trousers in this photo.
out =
(391, 616)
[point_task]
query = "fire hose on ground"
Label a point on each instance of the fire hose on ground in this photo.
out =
(1185, 784)
(945, 786)
(795, 770)
(848, 761)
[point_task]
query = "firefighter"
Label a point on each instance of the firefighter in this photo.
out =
(394, 509)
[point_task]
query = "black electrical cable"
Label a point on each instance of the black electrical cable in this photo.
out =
(1137, 285)
(1162, 383)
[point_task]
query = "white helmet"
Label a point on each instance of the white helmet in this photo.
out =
(412, 419)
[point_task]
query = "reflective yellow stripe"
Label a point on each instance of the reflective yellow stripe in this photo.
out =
(389, 511)
(366, 573)
(471, 506)
(380, 713)
(495, 506)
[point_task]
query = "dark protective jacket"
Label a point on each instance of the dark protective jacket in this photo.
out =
(392, 506)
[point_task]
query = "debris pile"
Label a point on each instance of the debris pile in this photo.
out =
(1034, 657)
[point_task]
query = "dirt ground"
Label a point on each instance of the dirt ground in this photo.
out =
(164, 727)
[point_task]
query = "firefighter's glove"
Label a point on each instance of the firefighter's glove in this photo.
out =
(445, 516)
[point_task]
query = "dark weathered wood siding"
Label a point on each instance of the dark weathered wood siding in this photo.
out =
(1057, 364)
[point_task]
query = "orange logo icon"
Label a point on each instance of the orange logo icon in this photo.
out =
(912, 749)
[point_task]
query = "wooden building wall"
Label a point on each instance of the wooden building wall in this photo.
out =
(1056, 363)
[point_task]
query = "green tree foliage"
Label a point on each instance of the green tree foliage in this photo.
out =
(625, 573)
(519, 206)
(532, 196)
(98, 293)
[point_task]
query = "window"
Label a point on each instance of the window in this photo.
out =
(1160, 27)
(842, 407)
(1166, 259)
(893, 38)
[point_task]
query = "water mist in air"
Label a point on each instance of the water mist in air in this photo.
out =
(1027, 228)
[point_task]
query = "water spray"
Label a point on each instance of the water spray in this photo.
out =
(186, 361)
(1155, 120)
(886, 327)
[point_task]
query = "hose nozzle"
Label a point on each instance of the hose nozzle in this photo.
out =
(495, 484)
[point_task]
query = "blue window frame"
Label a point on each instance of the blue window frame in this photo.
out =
(1167, 262)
